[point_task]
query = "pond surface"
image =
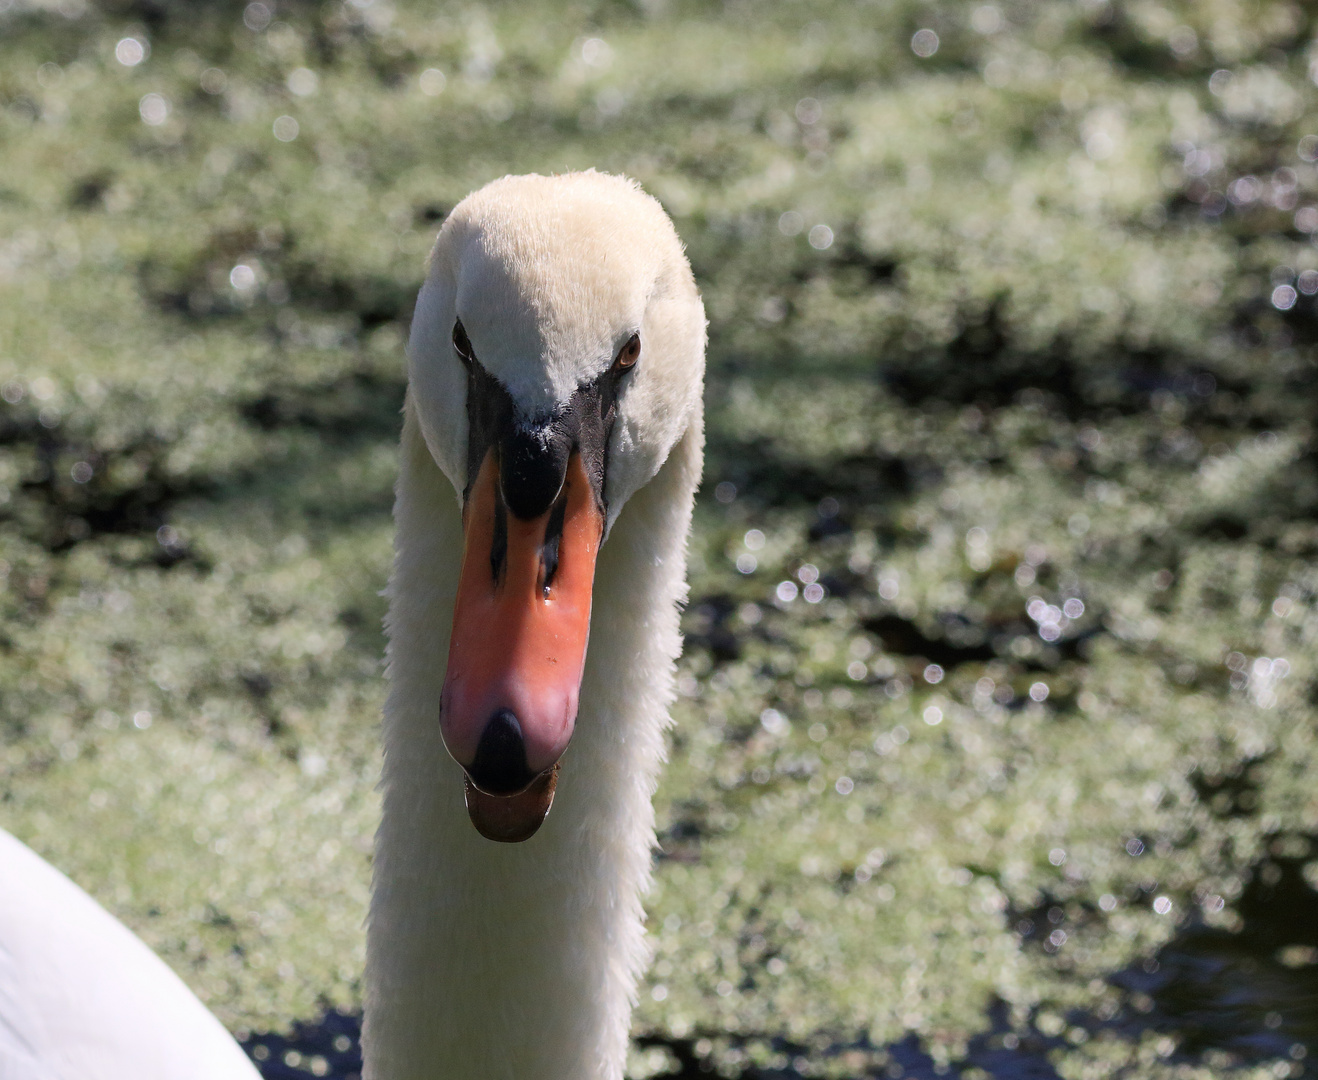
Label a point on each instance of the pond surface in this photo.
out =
(1217, 997)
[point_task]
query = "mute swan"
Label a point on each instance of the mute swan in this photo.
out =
(553, 425)
(81, 998)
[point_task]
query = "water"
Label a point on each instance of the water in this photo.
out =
(1219, 999)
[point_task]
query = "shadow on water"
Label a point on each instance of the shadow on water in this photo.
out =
(1252, 993)
(330, 1046)
(1226, 998)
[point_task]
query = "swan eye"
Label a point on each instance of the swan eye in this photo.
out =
(461, 345)
(629, 353)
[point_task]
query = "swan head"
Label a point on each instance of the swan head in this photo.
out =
(556, 357)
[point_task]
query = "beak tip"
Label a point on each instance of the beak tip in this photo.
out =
(499, 766)
(511, 819)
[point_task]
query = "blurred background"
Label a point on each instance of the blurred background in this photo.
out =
(995, 746)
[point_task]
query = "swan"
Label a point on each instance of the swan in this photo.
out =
(82, 998)
(552, 445)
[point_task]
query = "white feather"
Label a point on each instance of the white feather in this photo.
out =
(81, 998)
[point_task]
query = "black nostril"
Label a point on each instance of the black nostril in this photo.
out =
(500, 767)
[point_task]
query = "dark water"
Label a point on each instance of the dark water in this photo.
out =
(329, 1047)
(1228, 999)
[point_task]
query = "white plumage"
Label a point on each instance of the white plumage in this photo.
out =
(81, 998)
(519, 961)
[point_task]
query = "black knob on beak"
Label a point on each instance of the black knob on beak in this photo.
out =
(533, 463)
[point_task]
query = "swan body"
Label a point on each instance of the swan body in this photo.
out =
(82, 998)
(569, 300)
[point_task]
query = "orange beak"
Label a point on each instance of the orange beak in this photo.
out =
(520, 627)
